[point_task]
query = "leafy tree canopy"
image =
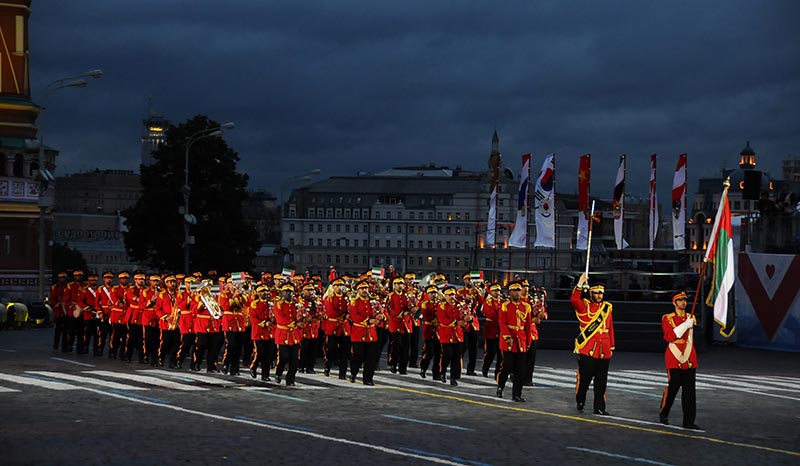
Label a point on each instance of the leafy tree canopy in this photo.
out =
(223, 239)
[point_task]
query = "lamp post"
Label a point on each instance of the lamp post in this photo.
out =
(189, 219)
(44, 175)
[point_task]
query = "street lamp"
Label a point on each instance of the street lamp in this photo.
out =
(45, 176)
(189, 219)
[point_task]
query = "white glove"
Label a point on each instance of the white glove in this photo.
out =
(682, 328)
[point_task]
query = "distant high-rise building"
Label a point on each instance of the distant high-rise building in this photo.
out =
(154, 133)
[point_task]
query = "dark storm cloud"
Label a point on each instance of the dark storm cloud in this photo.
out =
(352, 86)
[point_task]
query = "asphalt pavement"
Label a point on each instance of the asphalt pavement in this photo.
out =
(67, 409)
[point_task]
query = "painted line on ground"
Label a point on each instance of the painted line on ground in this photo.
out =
(773, 381)
(266, 391)
(188, 377)
(429, 423)
(368, 446)
(598, 420)
(443, 456)
(276, 424)
(413, 386)
(38, 382)
(73, 362)
(8, 350)
(7, 390)
(147, 380)
(617, 455)
(334, 380)
(89, 380)
(140, 397)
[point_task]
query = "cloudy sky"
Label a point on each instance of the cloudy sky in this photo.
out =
(350, 86)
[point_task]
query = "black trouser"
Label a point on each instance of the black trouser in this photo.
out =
(685, 379)
(117, 343)
(491, 349)
(60, 334)
(530, 362)
(168, 346)
(513, 363)
(207, 342)
(187, 343)
(152, 338)
(103, 334)
(470, 347)
(233, 351)
(134, 342)
(308, 354)
(431, 354)
(451, 356)
(75, 332)
(337, 349)
(400, 343)
(288, 355)
(263, 356)
(589, 368)
(247, 346)
(413, 347)
(91, 335)
(383, 337)
(366, 353)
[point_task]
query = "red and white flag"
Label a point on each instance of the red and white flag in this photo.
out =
(720, 254)
(584, 216)
(545, 194)
(679, 205)
(653, 229)
(618, 204)
(519, 236)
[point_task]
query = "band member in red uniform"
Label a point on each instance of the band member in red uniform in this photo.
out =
(400, 325)
(262, 325)
(60, 310)
(681, 361)
(186, 322)
(416, 322)
(288, 334)
(87, 301)
(451, 336)
(75, 315)
(150, 330)
(514, 320)
(594, 345)
(491, 331)
(233, 302)
(207, 329)
(311, 310)
(133, 317)
(472, 294)
(336, 328)
(105, 299)
(364, 334)
(431, 349)
(538, 314)
(168, 311)
(119, 327)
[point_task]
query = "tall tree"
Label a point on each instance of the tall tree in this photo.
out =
(223, 239)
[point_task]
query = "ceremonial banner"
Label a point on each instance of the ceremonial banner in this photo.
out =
(584, 175)
(719, 254)
(491, 223)
(618, 204)
(519, 236)
(768, 301)
(544, 194)
(679, 205)
(653, 225)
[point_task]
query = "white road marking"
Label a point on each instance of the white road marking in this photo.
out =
(37, 382)
(73, 362)
(7, 390)
(147, 380)
(86, 380)
(187, 376)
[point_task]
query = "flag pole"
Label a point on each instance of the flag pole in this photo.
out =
(589, 240)
(726, 185)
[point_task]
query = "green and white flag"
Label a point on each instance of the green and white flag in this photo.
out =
(720, 254)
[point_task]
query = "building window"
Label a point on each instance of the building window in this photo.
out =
(20, 35)
(338, 228)
(330, 242)
(430, 215)
(438, 245)
(291, 241)
(347, 228)
(311, 227)
(430, 230)
(291, 227)
(466, 230)
(447, 230)
(399, 229)
(377, 228)
(438, 215)
(377, 215)
(346, 259)
(438, 230)
(377, 243)
(448, 247)
(458, 244)
(430, 244)
(328, 212)
(388, 243)
(311, 213)
(319, 242)
(389, 215)
(365, 229)
(399, 244)
(356, 213)
(329, 228)
(411, 215)
(388, 228)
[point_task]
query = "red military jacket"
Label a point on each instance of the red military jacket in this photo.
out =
(233, 312)
(87, 300)
(475, 296)
(514, 320)
(147, 301)
(449, 330)
(57, 300)
(491, 309)
(335, 306)
(118, 305)
(71, 295)
(598, 344)
(133, 314)
(105, 299)
(539, 312)
(203, 322)
(680, 352)
(310, 316)
(400, 319)
(165, 306)
(361, 312)
(287, 331)
(186, 320)
(262, 322)
(430, 323)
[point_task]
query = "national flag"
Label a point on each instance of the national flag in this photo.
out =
(618, 204)
(584, 178)
(720, 254)
(494, 171)
(476, 275)
(377, 272)
(679, 205)
(519, 236)
(237, 277)
(653, 228)
(287, 272)
(544, 194)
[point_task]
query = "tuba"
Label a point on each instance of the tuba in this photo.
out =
(209, 301)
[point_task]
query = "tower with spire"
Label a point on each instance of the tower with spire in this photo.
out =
(154, 133)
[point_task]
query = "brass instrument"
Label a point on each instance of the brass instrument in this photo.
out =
(174, 315)
(205, 293)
